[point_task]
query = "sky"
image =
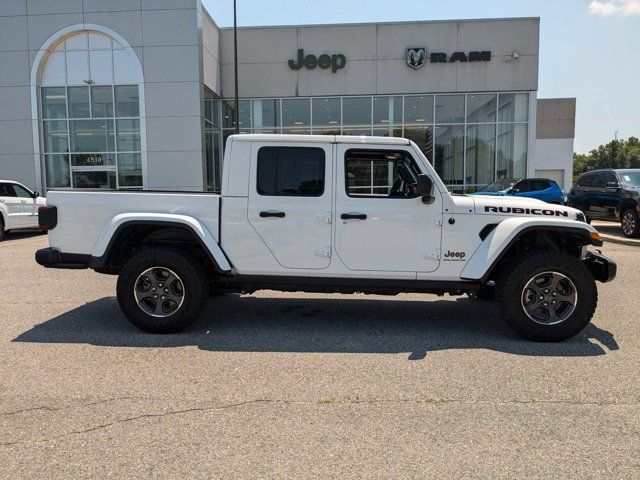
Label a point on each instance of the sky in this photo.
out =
(589, 49)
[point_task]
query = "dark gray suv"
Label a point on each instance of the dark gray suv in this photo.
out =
(612, 195)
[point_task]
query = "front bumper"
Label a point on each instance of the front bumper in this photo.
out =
(53, 258)
(601, 267)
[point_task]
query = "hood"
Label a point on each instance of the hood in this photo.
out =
(522, 206)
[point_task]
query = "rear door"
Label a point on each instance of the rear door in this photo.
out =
(290, 202)
(577, 195)
(595, 197)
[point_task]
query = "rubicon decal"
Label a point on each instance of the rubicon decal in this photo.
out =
(527, 211)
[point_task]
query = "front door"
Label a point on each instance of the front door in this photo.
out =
(290, 202)
(381, 224)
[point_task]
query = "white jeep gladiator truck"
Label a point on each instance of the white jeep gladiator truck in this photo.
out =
(330, 214)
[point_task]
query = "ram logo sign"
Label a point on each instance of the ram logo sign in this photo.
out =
(527, 211)
(416, 57)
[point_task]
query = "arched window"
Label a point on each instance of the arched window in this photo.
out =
(90, 115)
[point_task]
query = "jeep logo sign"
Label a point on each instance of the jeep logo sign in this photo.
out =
(335, 62)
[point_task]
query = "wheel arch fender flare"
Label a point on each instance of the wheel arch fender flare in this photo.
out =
(111, 230)
(488, 255)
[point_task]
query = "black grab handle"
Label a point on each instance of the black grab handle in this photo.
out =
(353, 216)
(272, 214)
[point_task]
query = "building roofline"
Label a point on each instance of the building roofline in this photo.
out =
(404, 22)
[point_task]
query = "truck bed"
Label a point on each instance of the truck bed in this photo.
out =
(84, 216)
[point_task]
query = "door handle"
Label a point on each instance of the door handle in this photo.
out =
(353, 216)
(272, 214)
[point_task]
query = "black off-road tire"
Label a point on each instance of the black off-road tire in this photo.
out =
(511, 285)
(2, 232)
(192, 275)
(634, 231)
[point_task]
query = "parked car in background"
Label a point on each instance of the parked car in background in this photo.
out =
(18, 207)
(540, 188)
(612, 195)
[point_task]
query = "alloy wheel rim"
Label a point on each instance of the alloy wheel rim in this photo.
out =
(159, 292)
(549, 298)
(629, 223)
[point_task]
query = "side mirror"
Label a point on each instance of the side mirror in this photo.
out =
(613, 186)
(35, 194)
(425, 188)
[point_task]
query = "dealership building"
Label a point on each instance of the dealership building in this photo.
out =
(130, 94)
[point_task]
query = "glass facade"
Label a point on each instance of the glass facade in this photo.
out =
(91, 136)
(90, 115)
(471, 139)
(216, 113)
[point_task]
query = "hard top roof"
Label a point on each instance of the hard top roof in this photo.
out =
(367, 140)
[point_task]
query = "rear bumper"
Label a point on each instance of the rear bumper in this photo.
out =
(601, 267)
(53, 258)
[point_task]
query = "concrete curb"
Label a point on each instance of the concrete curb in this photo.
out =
(620, 241)
(605, 231)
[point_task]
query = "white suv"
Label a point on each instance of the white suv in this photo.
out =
(18, 207)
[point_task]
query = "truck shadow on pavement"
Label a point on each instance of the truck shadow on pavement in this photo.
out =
(234, 323)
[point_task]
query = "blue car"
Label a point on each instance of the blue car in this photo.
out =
(540, 188)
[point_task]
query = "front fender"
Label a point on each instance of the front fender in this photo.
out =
(109, 232)
(507, 232)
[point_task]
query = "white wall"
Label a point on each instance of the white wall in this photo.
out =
(376, 61)
(555, 154)
(211, 53)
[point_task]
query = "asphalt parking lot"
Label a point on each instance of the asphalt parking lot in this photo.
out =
(307, 386)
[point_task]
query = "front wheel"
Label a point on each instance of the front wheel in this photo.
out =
(547, 296)
(162, 290)
(630, 223)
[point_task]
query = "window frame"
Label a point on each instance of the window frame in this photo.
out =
(394, 150)
(278, 147)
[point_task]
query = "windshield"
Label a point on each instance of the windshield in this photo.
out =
(500, 185)
(631, 178)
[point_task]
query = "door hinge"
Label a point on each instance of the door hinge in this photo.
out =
(431, 255)
(322, 252)
(324, 217)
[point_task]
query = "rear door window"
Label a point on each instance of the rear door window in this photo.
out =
(523, 186)
(584, 180)
(598, 180)
(539, 185)
(291, 171)
(6, 190)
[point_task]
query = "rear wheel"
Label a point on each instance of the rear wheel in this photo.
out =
(2, 232)
(630, 223)
(547, 296)
(162, 290)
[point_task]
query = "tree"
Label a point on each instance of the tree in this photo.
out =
(615, 154)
